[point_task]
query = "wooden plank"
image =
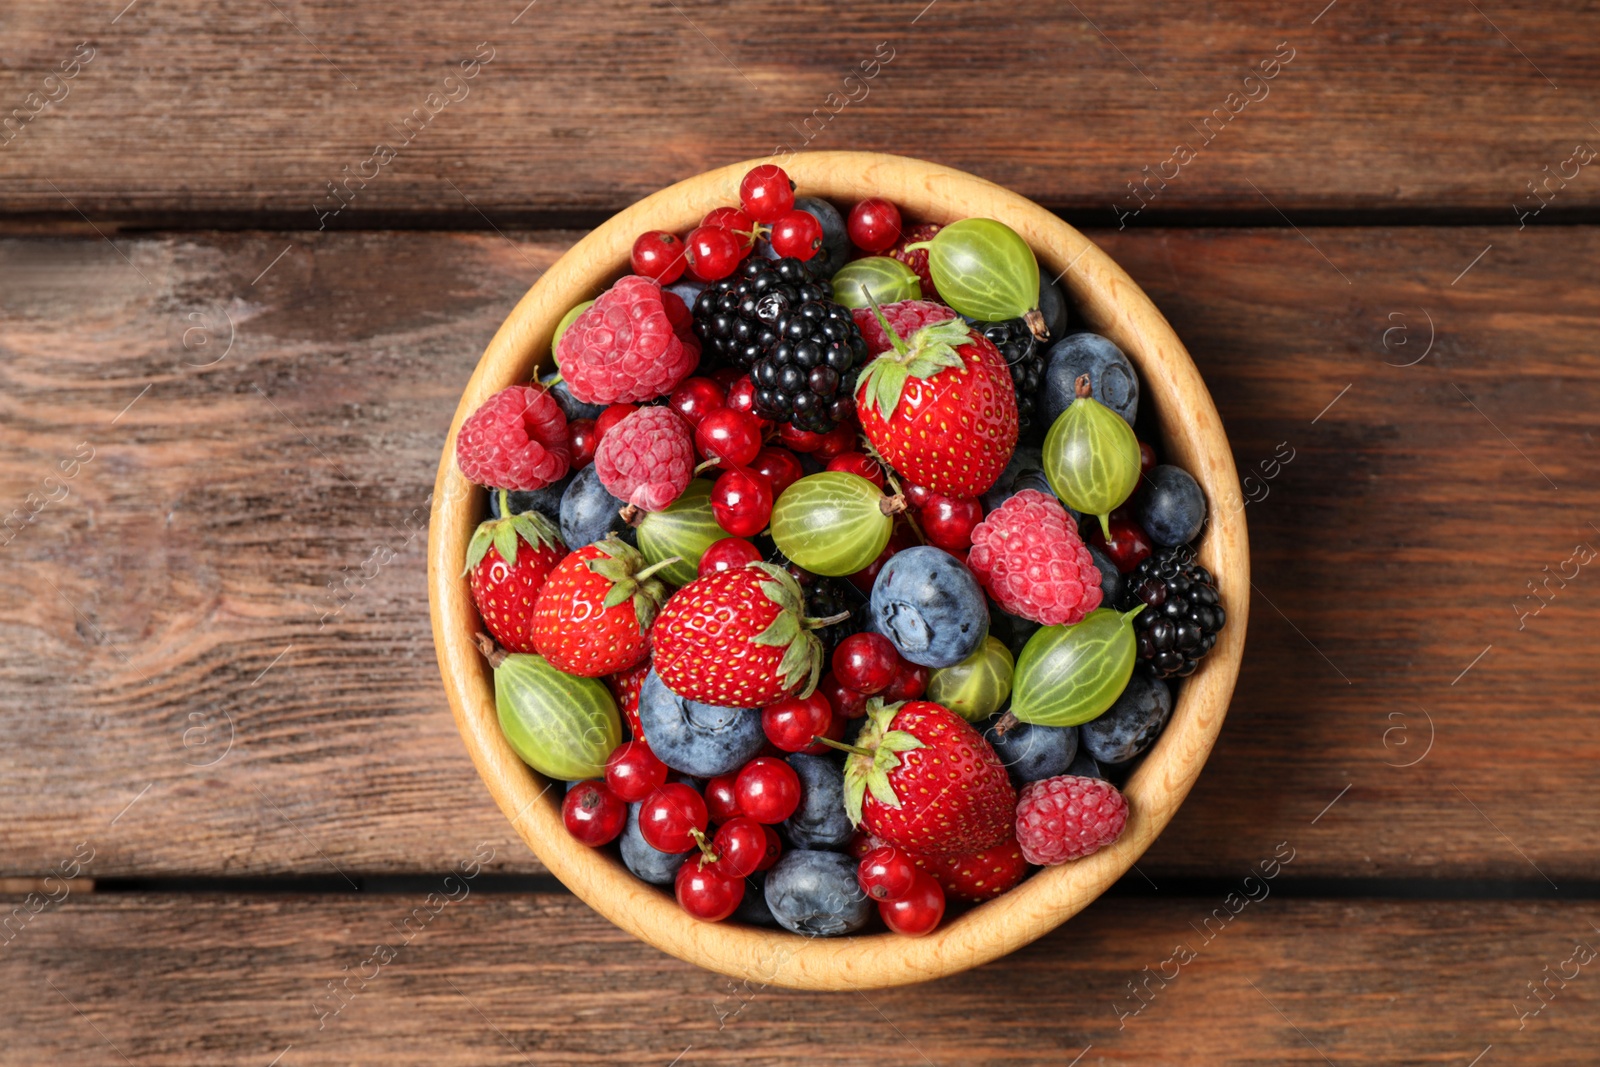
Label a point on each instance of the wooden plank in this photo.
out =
(246, 114)
(179, 589)
(540, 979)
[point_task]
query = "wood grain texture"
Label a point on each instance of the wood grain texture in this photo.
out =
(492, 979)
(249, 112)
(196, 547)
(1190, 432)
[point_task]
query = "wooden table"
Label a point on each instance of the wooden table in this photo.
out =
(227, 760)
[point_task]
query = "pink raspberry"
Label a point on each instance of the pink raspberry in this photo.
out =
(624, 349)
(1027, 554)
(1068, 817)
(906, 316)
(647, 459)
(517, 440)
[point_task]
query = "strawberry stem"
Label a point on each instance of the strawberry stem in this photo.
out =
(842, 747)
(895, 340)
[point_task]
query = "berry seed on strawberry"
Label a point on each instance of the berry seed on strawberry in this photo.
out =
(739, 639)
(647, 459)
(1028, 556)
(594, 613)
(624, 348)
(1067, 817)
(508, 560)
(921, 778)
(517, 439)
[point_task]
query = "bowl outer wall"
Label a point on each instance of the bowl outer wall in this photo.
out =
(1192, 437)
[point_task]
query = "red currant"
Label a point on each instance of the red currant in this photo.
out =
(610, 417)
(766, 193)
(768, 790)
(774, 849)
(866, 662)
(721, 804)
(1128, 546)
(741, 393)
(659, 255)
(792, 723)
(797, 234)
(797, 440)
(669, 815)
(594, 814)
(736, 222)
(910, 682)
(858, 463)
(916, 913)
(1147, 458)
(728, 554)
(740, 845)
(707, 893)
(780, 467)
(874, 225)
(695, 398)
(585, 439)
(633, 772)
(886, 873)
(917, 496)
(846, 701)
(741, 502)
(731, 437)
(948, 521)
(713, 253)
(842, 438)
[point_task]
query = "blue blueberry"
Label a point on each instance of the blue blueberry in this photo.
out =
(697, 739)
(820, 821)
(588, 512)
(835, 237)
(753, 908)
(644, 859)
(546, 501)
(816, 893)
(1032, 752)
(1084, 766)
(1110, 374)
(1053, 306)
(932, 608)
(1110, 576)
(1171, 507)
(570, 405)
(1132, 724)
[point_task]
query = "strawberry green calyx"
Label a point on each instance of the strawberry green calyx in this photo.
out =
(875, 753)
(792, 630)
(926, 353)
(622, 565)
(507, 532)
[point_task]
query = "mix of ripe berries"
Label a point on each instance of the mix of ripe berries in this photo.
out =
(792, 565)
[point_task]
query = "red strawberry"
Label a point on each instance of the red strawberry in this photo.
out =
(594, 613)
(739, 639)
(508, 560)
(977, 876)
(919, 777)
(625, 686)
(940, 408)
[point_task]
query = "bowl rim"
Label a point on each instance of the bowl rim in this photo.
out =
(1192, 436)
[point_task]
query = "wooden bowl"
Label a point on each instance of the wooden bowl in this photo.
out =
(1192, 437)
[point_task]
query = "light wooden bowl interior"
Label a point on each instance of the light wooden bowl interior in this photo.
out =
(1104, 298)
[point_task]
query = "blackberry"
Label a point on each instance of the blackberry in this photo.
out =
(1025, 356)
(1182, 614)
(808, 377)
(736, 318)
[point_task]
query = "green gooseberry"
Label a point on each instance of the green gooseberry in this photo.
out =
(561, 328)
(1068, 675)
(976, 687)
(1091, 457)
(833, 523)
(879, 278)
(986, 271)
